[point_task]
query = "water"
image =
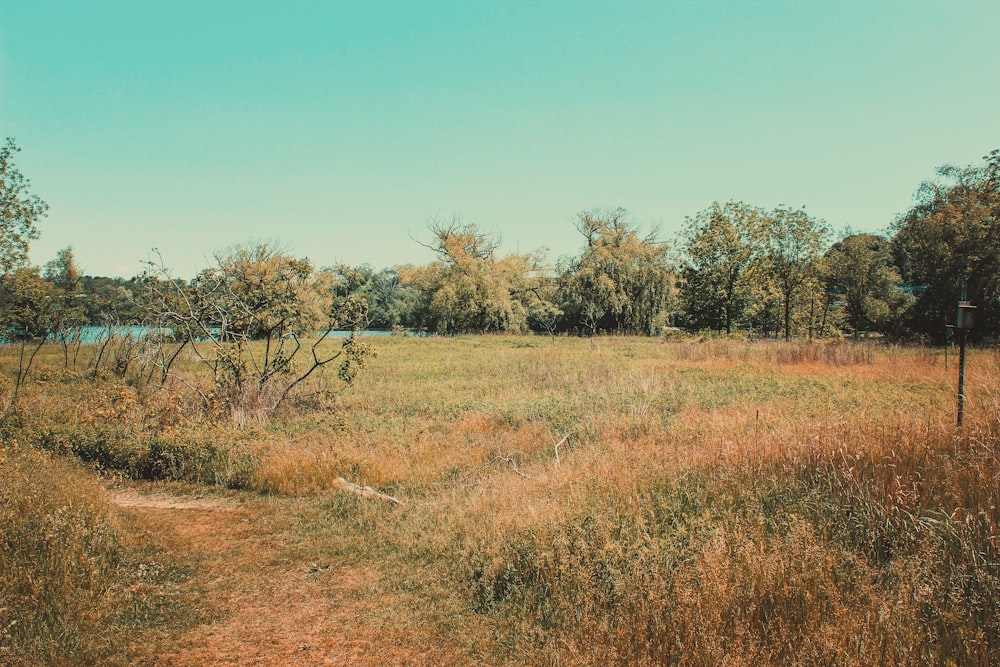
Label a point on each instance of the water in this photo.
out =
(89, 335)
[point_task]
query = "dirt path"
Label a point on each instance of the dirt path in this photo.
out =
(262, 606)
(163, 501)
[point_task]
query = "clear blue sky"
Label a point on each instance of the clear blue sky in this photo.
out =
(340, 129)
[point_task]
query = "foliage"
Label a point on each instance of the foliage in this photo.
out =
(793, 241)
(860, 271)
(544, 315)
(253, 293)
(111, 300)
(389, 304)
(721, 246)
(257, 292)
(63, 274)
(20, 211)
(469, 289)
(621, 282)
(29, 315)
(30, 311)
(952, 235)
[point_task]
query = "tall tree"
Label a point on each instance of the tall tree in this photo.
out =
(794, 241)
(64, 275)
(622, 282)
(20, 211)
(859, 270)
(720, 247)
(951, 236)
(469, 289)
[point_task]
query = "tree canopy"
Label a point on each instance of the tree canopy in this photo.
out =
(737, 265)
(20, 211)
(468, 289)
(622, 282)
(721, 245)
(860, 271)
(951, 236)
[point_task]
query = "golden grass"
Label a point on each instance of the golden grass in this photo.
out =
(77, 583)
(716, 502)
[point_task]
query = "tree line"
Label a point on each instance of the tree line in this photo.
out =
(734, 268)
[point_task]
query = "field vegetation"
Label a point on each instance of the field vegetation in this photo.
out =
(211, 482)
(610, 500)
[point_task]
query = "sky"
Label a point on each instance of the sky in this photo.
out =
(341, 129)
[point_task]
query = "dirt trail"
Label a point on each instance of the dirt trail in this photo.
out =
(262, 607)
(163, 501)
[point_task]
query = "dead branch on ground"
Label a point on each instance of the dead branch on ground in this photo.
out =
(365, 491)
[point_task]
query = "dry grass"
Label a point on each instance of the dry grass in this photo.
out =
(716, 502)
(77, 584)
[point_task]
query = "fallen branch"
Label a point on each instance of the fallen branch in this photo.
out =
(512, 463)
(365, 491)
(508, 459)
(562, 442)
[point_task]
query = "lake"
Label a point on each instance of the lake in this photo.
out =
(90, 335)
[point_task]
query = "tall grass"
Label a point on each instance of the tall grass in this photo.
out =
(74, 583)
(619, 500)
(856, 548)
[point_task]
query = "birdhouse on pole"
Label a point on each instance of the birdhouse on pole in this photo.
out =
(966, 318)
(964, 321)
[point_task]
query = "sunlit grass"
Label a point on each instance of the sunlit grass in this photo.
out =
(615, 500)
(78, 584)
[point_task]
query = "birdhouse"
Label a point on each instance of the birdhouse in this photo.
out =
(966, 318)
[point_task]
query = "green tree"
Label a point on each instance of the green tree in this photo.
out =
(859, 270)
(621, 282)
(64, 275)
(389, 302)
(112, 300)
(544, 314)
(29, 314)
(259, 292)
(952, 235)
(793, 241)
(469, 289)
(20, 211)
(721, 245)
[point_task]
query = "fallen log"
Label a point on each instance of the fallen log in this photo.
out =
(365, 491)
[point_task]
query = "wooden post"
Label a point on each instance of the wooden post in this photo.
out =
(961, 379)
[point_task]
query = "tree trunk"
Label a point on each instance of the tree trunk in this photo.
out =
(812, 316)
(788, 317)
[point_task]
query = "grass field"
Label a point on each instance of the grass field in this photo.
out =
(564, 501)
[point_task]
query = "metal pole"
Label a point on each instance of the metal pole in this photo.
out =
(961, 380)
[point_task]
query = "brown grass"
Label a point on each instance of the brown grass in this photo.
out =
(716, 502)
